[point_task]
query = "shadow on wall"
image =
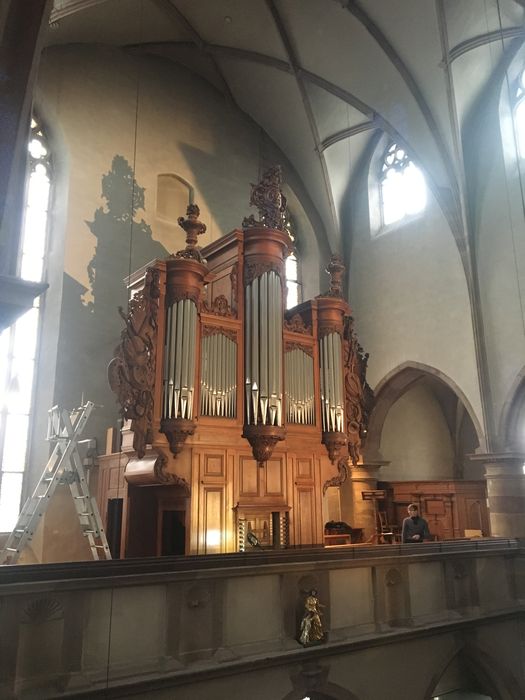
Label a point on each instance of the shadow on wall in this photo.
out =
(91, 325)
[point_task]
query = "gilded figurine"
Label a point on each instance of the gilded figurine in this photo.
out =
(311, 625)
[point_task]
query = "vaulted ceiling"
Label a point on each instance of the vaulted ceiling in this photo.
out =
(322, 77)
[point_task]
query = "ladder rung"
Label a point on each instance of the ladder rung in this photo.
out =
(90, 532)
(100, 546)
(11, 549)
(85, 515)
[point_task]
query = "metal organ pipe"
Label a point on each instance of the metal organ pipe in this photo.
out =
(263, 365)
(299, 368)
(218, 375)
(179, 364)
(330, 347)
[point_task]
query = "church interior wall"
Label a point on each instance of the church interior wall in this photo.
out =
(495, 211)
(410, 297)
(416, 439)
(154, 117)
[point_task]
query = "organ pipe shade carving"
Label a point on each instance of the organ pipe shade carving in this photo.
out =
(218, 376)
(299, 387)
(263, 350)
(179, 362)
(331, 376)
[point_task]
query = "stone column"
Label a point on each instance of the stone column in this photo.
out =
(505, 492)
(364, 477)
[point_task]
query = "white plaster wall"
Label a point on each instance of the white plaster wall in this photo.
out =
(410, 298)
(498, 171)
(415, 438)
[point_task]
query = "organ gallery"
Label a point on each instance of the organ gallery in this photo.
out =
(239, 415)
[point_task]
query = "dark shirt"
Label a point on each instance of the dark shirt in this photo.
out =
(415, 526)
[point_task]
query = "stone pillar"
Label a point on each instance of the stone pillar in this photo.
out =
(364, 477)
(505, 492)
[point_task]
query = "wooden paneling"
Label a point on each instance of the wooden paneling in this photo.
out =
(274, 473)
(450, 507)
(305, 516)
(305, 468)
(213, 521)
(248, 477)
(214, 465)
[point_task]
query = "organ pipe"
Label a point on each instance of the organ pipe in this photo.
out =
(299, 389)
(264, 347)
(218, 376)
(331, 375)
(179, 365)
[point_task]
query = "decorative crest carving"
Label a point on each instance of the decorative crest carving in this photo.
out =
(219, 307)
(194, 228)
(335, 442)
(297, 325)
(359, 397)
(269, 200)
(131, 372)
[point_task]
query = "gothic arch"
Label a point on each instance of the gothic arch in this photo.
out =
(393, 386)
(488, 671)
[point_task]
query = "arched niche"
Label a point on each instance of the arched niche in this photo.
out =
(417, 410)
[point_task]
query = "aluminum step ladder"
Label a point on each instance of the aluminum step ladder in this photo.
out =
(64, 467)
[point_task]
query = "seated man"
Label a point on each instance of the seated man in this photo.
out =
(415, 529)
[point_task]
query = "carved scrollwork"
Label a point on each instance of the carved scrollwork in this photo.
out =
(267, 196)
(180, 294)
(335, 442)
(234, 277)
(296, 324)
(359, 397)
(307, 349)
(167, 477)
(131, 372)
(254, 270)
(340, 478)
(214, 330)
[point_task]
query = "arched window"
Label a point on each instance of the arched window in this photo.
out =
(293, 284)
(519, 113)
(18, 344)
(402, 184)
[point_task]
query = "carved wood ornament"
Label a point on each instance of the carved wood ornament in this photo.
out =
(131, 372)
(296, 324)
(359, 396)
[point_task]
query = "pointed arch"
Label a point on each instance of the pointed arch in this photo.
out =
(396, 383)
(492, 676)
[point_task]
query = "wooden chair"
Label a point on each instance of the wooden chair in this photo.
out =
(386, 532)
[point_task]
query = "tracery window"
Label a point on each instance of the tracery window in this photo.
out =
(18, 344)
(519, 113)
(293, 284)
(402, 184)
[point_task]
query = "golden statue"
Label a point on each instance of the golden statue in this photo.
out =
(311, 625)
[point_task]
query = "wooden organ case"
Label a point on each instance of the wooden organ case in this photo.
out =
(238, 413)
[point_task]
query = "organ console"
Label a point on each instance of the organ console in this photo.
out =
(239, 414)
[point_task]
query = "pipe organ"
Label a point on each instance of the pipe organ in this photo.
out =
(236, 410)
